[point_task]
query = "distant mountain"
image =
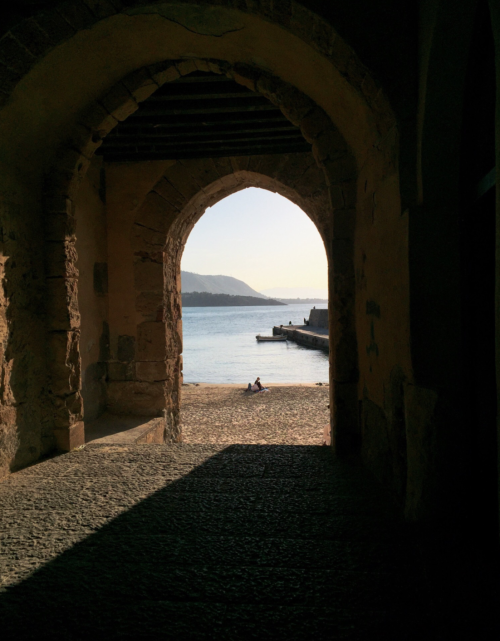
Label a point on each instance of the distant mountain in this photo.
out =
(204, 299)
(217, 285)
(302, 301)
(296, 292)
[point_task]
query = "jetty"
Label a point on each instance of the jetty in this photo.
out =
(314, 334)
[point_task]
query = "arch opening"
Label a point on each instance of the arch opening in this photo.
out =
(262, 240)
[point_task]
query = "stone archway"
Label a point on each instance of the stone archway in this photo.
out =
(93, 79)
(158, 233)
(330, 165)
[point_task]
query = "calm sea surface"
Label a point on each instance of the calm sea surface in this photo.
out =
(220, 346)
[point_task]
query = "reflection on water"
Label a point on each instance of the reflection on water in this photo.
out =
(220, 346)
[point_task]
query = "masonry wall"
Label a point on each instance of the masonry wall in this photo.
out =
(92, 265)
(130, 389)
(318, 318)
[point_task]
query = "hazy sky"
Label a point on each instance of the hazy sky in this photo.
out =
(260, 238)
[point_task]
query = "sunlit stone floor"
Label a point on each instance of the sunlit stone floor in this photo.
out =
(204, 542)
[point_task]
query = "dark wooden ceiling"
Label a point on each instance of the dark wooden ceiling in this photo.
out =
(202, 115)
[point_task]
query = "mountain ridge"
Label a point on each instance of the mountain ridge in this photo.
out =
(216, 284)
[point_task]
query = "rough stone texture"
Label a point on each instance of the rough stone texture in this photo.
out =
(226, 542)
(286, 415)
(205, 542)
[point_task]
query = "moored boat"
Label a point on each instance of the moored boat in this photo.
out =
(262, 339)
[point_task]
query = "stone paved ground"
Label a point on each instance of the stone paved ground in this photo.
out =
(287, 414)
(204, 542)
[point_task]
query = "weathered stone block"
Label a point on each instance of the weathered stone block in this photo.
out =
(150, 304)
(295, 105)
(84, 140)
(60, 260)
(163, 72)
(155, 213)
(170, 194)
(64, 362)
(119, 102)
(239, 163)
(328, 144)
(126, 348)
(182, 181)
(147, 240)
(202, 171)
(99, 120)
(148, 276)
(70, 438)
(269, 87)
(311, 182)
(66, 411)
(121, 371)
(314, 123)
(151, 341)
(185, 67)
(222, 166)
(341, 55)
(62, 304)
(136, 398)
(140, 84)
(151, 371)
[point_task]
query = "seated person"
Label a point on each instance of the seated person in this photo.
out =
(256, 387)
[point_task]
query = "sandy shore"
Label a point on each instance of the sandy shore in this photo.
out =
(293, 414)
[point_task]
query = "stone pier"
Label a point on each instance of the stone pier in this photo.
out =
(316, 337)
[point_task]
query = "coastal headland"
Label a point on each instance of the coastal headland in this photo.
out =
(205, 299)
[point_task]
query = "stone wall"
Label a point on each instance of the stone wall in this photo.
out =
(151, 209)
(318, 318)
(92, 265)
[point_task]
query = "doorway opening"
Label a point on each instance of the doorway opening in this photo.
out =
(255, 265)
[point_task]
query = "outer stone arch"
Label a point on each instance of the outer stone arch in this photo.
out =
(70, 73)
(330, 164)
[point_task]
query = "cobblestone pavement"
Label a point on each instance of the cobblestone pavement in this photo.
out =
(287, 414)
(204, 542)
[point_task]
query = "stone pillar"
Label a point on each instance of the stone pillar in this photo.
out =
(63, 324)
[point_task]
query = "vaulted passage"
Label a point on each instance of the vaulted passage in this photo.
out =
(120, 123)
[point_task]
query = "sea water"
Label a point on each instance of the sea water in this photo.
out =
(220, 346)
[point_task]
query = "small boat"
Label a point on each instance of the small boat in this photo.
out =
(261, 339)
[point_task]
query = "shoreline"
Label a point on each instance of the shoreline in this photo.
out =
(237, 385)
